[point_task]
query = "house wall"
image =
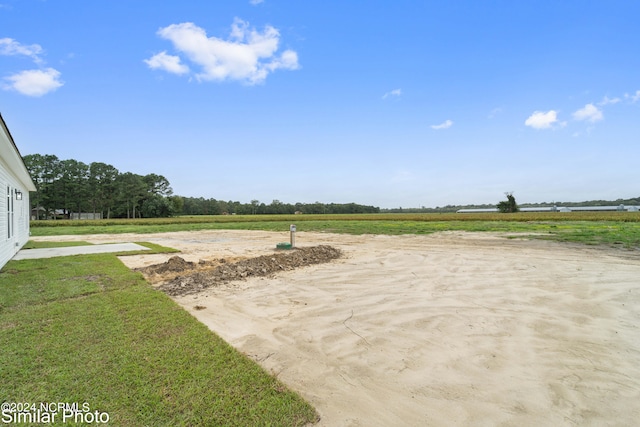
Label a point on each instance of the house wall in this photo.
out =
(14, 214)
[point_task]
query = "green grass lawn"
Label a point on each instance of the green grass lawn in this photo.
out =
(87, 329)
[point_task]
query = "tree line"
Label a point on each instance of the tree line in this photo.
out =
(68, 187)
(202, 206)
(65, 187)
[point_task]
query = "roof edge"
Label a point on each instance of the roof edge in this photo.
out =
(29, 184)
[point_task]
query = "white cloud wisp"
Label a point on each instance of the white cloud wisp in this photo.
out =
(168, 63)
(589, 113)
(609, 101)
(11, 47)
(634, 98)
(395, 92)
(247, 56)
(444, 125)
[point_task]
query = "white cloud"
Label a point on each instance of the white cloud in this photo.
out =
(444, 125)
(542, 120)
(288, 60)
(634, 98)
(29, 82)
(607, 101)
(589, 112)
(248, 55)
(255, 2)
(168, 63)
(35, 82)
(9, 47)
(395, 92)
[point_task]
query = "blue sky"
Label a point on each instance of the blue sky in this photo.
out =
(386, 103)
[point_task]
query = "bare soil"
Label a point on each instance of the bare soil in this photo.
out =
(178, 277)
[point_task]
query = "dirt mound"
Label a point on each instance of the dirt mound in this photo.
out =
(173, 264)
(177, 266)
(201, 278)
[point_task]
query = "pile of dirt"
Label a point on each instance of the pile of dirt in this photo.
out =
(174, 264)
(202, 276)
(177, 266)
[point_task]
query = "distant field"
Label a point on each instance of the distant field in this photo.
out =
(609, 228)
(225, 219)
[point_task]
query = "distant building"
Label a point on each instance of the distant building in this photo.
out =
(619, 208)
(15, 184)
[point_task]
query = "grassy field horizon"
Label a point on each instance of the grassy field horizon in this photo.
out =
(607, 228)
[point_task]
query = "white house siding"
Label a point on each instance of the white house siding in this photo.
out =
(14, 212)
(14, 225)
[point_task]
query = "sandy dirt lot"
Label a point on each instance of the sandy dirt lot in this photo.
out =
(440, 330)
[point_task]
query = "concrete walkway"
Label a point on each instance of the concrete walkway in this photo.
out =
(78, 250)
